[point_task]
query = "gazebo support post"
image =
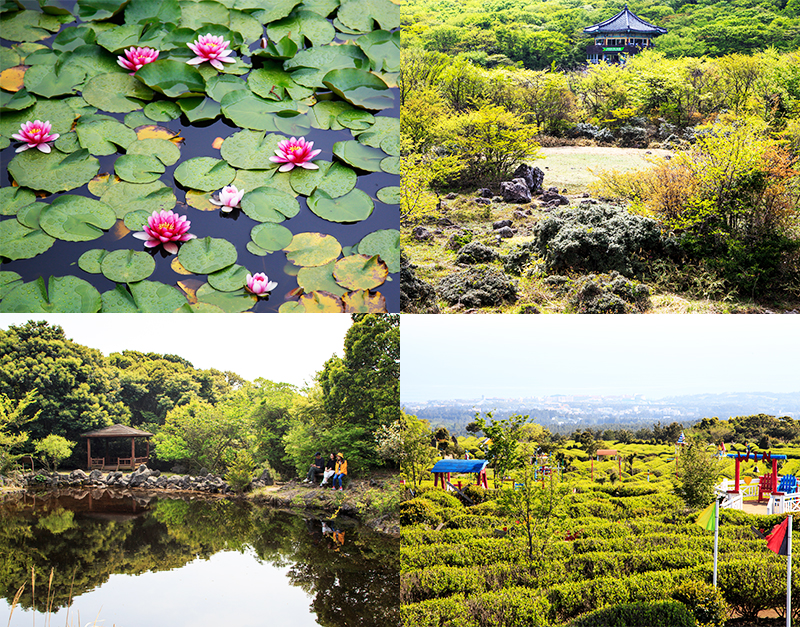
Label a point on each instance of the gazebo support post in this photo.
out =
(133, 453)
(89, 454)
(774, 476)
(736, 476)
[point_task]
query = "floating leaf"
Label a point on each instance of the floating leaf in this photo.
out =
(292, 307)
(326, 58)
(246, 25)
(292, 123)
(271, 237)
(90, 260)
(360, 272)
(172, 78)
(116, 93)
(325, 114)
(206, 255)
(177, 267)
(76, 219)
(389, 195)
(101, 135)
(91, 59)
(285, 48)
(251, 179)
(57, 112)
(119, 37)
(356, 119)
(251, 150)
(321, 302)
(385, 243)
(319, 278)
(136, 119)
(135, 220)
(124, 197)
(152, 131)
(89, 10)
(29, 215)
(383, 50)
(14, 198)
(20, 242)
(54, 172)
(68, 143)
(66, 294)
(266, 204)
(308, 24)
(8, 58)
(165, 151)
(28, 26)
(359, 155)
(245, 109)
(162, 111)
(255, 249)
(229, 279)
(204, 173)
(360, 88)
(16, 101)
(391, 165)
(273, 84)
(13, 78)
(359, 14)
(143, 297)
(312, 249)
(8, 281)
(200, 200)
(228, 301)
(127, 266)
(222, 84)
(382, 129)
(196, 14)
(199, 109)
(138, 168)
(362, 301)
(147, 11)
(352, 207)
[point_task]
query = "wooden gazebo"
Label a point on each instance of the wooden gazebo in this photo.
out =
(116, 431)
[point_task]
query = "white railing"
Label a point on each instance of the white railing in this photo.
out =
(784, 503)
(748, 491)
(731, 500)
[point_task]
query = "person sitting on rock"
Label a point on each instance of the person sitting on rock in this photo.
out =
(340, 472)
(317, 467)
(330, 469)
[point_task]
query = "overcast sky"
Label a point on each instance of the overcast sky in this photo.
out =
(281, 348)
(465, 356)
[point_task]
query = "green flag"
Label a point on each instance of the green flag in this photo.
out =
(706, 519)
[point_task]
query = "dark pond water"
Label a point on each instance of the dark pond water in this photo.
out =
(155, 562)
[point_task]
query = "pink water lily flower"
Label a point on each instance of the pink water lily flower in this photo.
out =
(166, 228)
(211, 48)
(35, 135)
(137, 57)
(259, 284)
(294, 151)
(228, 198)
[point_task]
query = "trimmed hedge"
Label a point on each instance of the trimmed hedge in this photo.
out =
(657, 614)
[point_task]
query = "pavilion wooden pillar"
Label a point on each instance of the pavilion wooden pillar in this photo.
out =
(88, 453)
(148, 449)
(133, 452)
(774, 475)
(736, 476)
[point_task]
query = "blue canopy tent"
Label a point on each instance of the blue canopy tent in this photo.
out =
(442, 469)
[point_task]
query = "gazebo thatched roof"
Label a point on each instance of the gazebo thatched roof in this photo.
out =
(117, 431)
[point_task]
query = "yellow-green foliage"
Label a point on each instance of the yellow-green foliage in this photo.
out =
(417, 172)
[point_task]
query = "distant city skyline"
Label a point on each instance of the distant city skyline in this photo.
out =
(466, 357)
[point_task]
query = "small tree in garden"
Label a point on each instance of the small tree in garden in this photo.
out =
(11, 420)
(407, 441)
(240, 470)
(505, 436)
(697, 473)
(52, 450)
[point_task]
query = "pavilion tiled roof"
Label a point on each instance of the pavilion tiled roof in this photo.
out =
(117, 431)
(625, 22)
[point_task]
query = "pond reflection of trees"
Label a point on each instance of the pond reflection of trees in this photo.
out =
(354, 583)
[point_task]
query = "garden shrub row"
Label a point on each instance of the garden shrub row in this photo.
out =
(656, 614)
(520, 607)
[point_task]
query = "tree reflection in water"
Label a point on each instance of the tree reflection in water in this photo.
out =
(350, 574)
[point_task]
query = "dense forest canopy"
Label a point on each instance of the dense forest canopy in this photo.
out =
(201, 418)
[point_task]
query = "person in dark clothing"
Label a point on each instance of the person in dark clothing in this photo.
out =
(317, 467)
(330, 466)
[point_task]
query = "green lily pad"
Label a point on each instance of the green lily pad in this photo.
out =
(382, 130)
(172, 78)
(246, 25)
(334, 179)
(251, 179)
(143, 297)
(28, 26)
(271, 237)
(284, 48)
(16, 101)
(274, 84)
(162, 111)
(196, 14)
(204, 173)
(359, 156)
(54, 172)
(354, 206)
(207, 255)
(391, 165)
(385, 243)
(57, 112)
(359, 14)
(76, 219)
(68, 143)
(91, 259)
(360, 88)
(229, 301)
(8, 58)
(135, 220)
(314, 27)
(292, 123)
(246, 110)
(255, 249)
(325, 114)
(138, 168)
(136, 119)
(391, 145)
(229, 279)
(29, 215)
(383, 50)
(17, 241)
(360, 272)
(327, 58)
(90, 10)
(44, 81)
(251, 150)
(116, 93)
(356, 119)
(127, 266)
(266, 204)
(116, 39)
(101, 135)
(67, 294)
(8, 282)
(165, 151)
(147, 11)
(319, 279)
(389, 195)
(313, 249)
(91, 59)
(199, 109)
(124, 197)
(14, 198)
(292, 306)
(219, 85)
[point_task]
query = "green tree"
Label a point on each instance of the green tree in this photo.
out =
(698, 468)
(504, 450)
(52, 450)
(407, 441)
(12, 418)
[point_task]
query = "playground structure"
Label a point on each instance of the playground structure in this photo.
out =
(779, 493)
(542, 469)
(443, 468)
(608, 452)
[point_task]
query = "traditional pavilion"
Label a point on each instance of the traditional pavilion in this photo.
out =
(442, 469)
(116, 431)
(624, 34)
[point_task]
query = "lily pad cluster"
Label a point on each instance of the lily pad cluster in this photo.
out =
(300, 67)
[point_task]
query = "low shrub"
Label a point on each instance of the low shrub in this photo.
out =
(704, 601)
(609, 294)
(477, 287)
(754, 584)
(440, 497)
(512, 606)
(419, 510)
(478, 494)
(475, 252)
(655, 614)
(436, 613)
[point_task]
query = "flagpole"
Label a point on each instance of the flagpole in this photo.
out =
(789, 574)
(716, 538)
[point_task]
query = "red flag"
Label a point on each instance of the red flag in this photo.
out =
(778, 539)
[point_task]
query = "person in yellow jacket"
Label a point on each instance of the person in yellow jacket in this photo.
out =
(340, 472)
